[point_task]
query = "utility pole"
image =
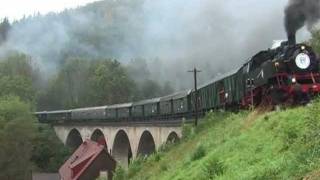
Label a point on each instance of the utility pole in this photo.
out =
(250, 84)
(195, 71)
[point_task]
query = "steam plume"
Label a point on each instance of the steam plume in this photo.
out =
(299, 13)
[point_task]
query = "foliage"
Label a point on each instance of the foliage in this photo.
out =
(18, 82)
(147, 87)
(48, 152)
(94, 82)
(4, 30)
(110, 83)
(18, 77)
(135, 166)
(198, 153)
(187, 131)
(120, 174)
(270, 145)
(17, 129)
(315, 40)
(17, 86)
(214, 168)
(83, 83)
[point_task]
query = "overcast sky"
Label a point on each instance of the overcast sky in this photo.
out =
(16, 9)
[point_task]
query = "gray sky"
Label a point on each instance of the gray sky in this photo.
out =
(16, 9)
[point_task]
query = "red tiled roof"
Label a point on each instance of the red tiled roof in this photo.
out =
(80, 160)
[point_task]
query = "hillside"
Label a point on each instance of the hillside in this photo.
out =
(273, 145)
(165, 34)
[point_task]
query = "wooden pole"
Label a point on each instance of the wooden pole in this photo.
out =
(195, 71)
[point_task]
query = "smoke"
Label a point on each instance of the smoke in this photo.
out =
(299, 13)
(173, 36)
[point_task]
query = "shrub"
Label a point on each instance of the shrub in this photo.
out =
(120, 174)
(156, 157)
(163, 167)
(214, 168)
(187, 131)
(135, 166)
(268, 174)
(198, 153)
(167, 146)
(17, 130)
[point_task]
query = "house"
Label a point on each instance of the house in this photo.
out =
(87, 162)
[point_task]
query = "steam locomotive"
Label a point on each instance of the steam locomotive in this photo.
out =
(288, 73)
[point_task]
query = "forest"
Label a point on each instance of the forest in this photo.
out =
(78, 81)
(78, 63)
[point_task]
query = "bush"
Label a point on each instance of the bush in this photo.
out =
(163, 167)
(135, 166)
(167, 146)
(17, 127)
(187, 131)
(120, 174)
(156, 157)
(214, 168)
(268, 174)
(198, 153)
(48, 152)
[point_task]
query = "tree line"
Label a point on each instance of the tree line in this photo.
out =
(96, 82)
(29, 146)
(26, 145)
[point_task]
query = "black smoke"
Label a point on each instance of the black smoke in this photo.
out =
(299, 13)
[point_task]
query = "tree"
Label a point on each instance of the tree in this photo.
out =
(82, 83)
(68, 88)
(4, 30)
(17, 127)
(17, 86)
(48, 152)
(110, 83)
(18, 64)
(315, 41)
(17, 77)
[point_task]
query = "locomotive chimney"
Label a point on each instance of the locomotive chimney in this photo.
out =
(291, 39)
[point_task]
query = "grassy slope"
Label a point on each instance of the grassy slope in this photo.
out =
(274, 145)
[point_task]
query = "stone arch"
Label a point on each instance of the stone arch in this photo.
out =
(173, 138)
(99, 137)
(121, 149)
(146, 144)
(74, 139)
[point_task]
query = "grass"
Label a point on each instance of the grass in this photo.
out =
(246, 145)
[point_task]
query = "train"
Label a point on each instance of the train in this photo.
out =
(285, 74)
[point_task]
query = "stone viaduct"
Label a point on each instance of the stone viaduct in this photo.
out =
(124, 142)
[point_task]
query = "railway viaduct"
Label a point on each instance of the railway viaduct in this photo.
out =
(123, 141)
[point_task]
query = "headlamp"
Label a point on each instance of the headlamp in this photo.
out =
(302, 61)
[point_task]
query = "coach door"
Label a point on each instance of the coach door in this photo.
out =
(222, 94)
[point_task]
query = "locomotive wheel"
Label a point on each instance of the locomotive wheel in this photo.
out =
(278, 96)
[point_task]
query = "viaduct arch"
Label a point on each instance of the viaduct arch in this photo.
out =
(99, 137)
(123, 142)
(74, 139)
(146, 144)
(121, 149)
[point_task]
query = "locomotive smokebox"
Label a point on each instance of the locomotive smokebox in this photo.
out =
(291, 39)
